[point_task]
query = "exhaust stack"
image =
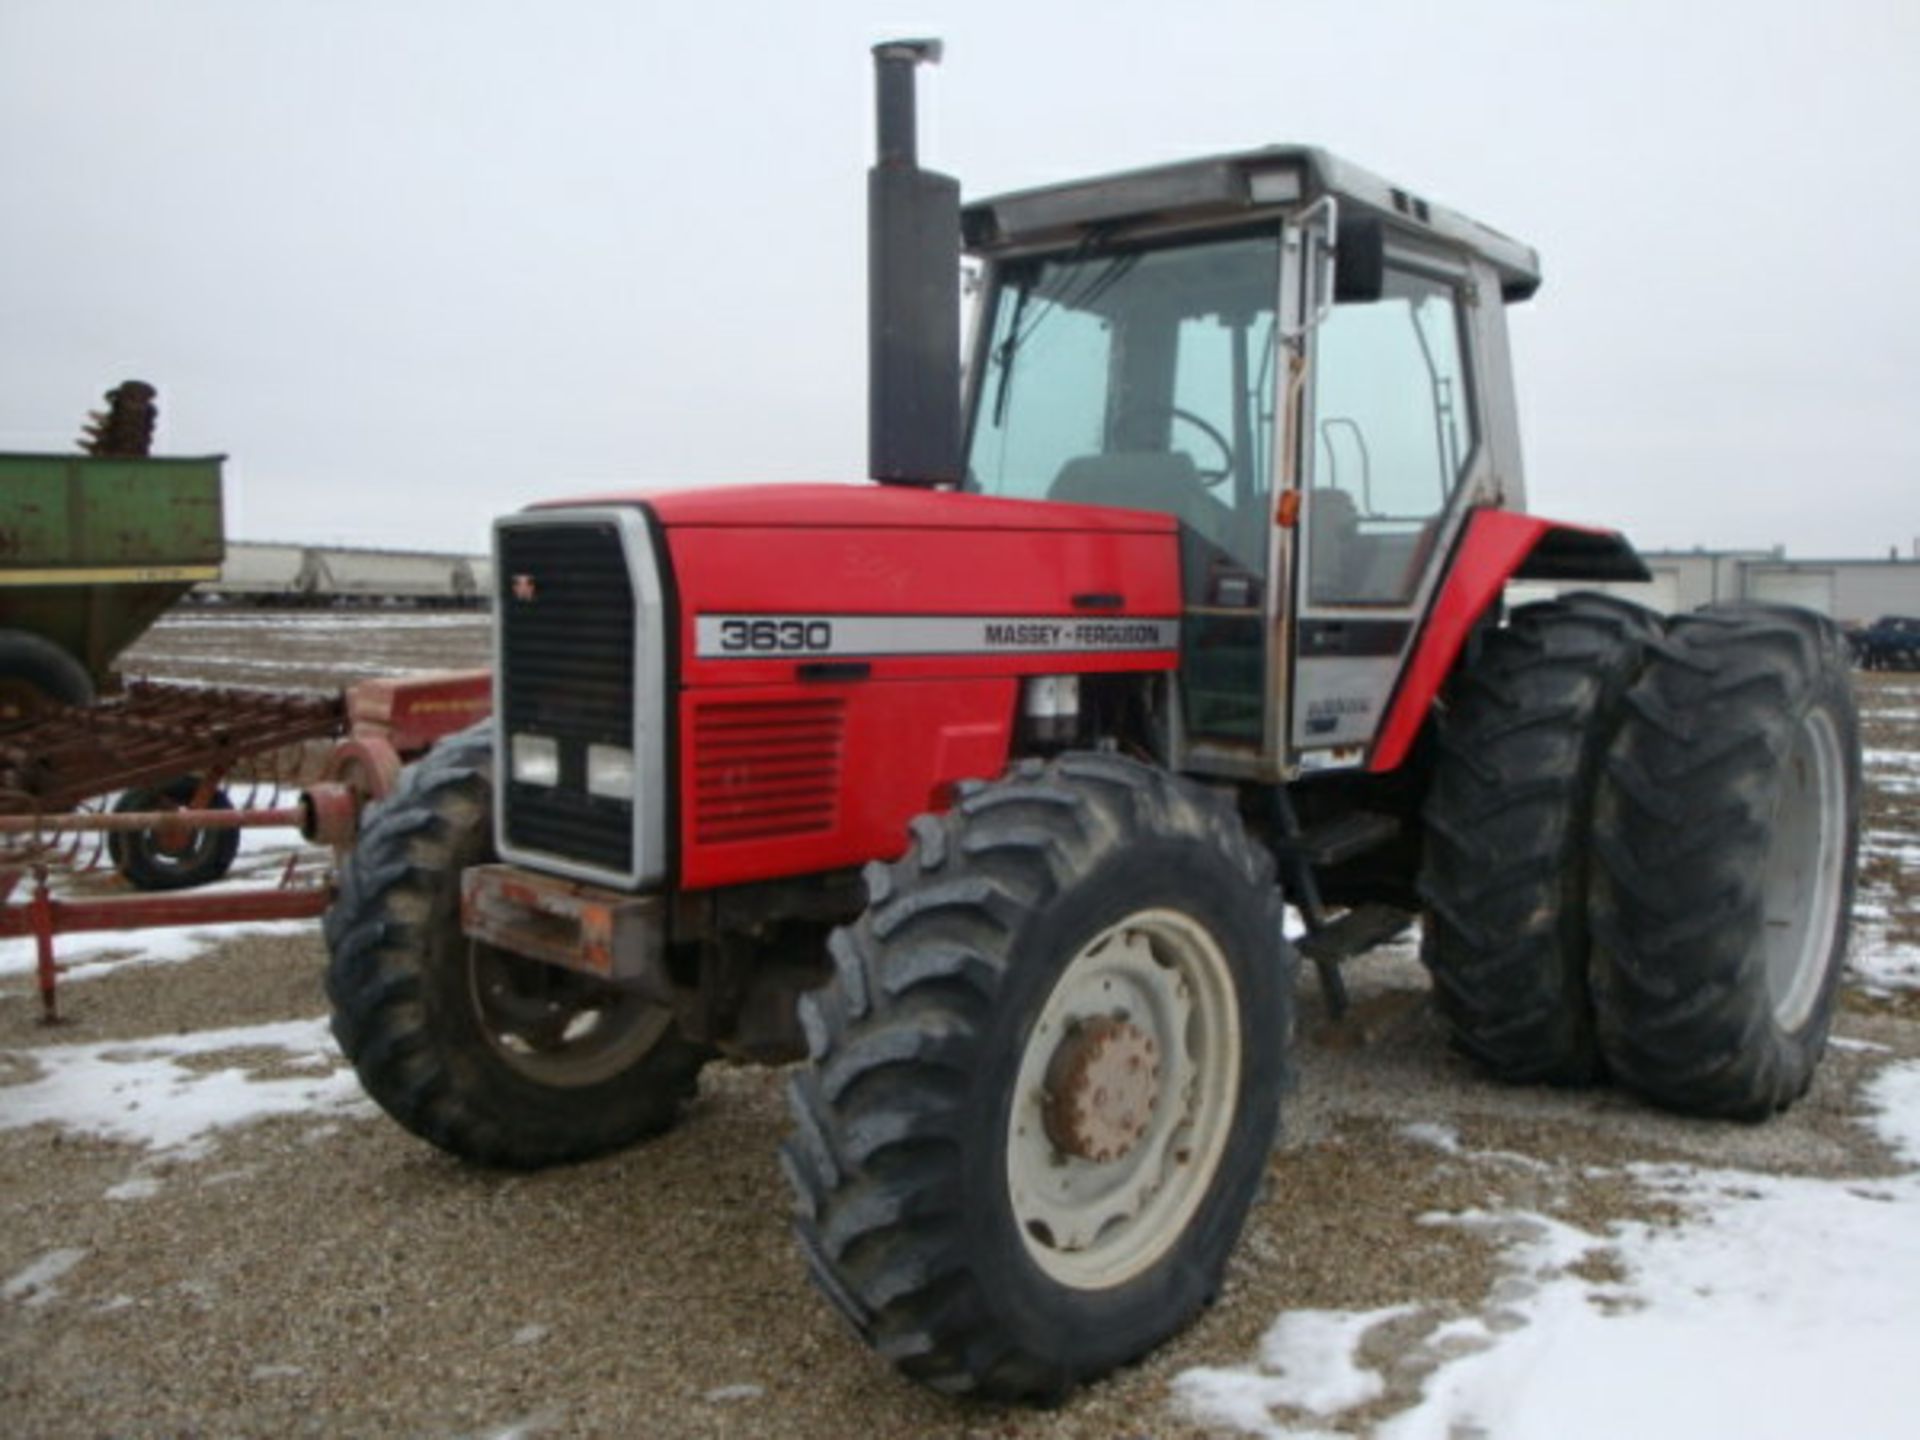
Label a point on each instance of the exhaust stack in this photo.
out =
(913, 289)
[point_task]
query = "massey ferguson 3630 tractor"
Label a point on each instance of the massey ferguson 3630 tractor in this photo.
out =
(982, 792)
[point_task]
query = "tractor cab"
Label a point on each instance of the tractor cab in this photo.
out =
(1303, 365)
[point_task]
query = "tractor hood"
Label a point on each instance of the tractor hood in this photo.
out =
(837, 657)
(868, 507)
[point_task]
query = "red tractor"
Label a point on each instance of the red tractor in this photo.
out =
(982, 792)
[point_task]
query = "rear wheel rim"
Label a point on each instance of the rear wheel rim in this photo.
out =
(1802, 878)
(555, 1027)
(1160, 982)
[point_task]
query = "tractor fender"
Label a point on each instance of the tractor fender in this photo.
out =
(1495, 546)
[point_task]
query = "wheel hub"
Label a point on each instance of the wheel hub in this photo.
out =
(1103, 1084)
(1124, 1099)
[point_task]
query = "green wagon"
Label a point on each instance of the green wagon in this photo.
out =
(92, 550)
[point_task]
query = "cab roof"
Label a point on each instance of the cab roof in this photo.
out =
(1220, 188)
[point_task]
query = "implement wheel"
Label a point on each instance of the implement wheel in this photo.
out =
(495, 1058)
(36, 674)
(1045, 1078)
(1726, 831)
(1522, 736)
(162, 860)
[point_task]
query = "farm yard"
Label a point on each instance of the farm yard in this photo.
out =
(204, 1228)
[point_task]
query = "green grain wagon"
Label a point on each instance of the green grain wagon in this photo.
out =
(92, 550)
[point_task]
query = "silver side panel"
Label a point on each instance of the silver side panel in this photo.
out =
(649, 708)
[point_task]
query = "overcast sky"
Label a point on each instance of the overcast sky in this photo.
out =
(415, 262)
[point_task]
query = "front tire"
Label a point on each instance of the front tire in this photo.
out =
(1726, 832)
(1522, 737)
(1045, 1078)
(492, 1057)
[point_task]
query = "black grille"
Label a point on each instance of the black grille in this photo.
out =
(566, 616)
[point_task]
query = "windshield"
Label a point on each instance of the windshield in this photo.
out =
(1141, 378)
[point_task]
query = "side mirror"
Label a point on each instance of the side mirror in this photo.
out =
(1360, 260)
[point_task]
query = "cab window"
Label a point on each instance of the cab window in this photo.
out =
(1393, 435)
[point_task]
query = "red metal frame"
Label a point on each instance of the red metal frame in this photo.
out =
(44, 917)
(1495, 545)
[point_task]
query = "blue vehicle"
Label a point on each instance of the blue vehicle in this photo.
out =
(1891, 643)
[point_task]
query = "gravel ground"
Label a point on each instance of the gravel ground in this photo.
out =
(327, 1273)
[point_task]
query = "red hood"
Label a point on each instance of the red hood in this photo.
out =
(867, 506)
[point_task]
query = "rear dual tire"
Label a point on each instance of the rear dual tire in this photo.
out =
(1726, 830)
(1522, 736)
(1641, 850)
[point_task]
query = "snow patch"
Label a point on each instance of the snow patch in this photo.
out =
(85, 957)
(1890, 759)
(1877, 963)
(36, 1285)
(1443, 1138)
(1858, 1047)
(143, 1093)
(1306, 1363)
(1780, 1306)
(1894, 1095)
(1446, 1140)
(537, 1423)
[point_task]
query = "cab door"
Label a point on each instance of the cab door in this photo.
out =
(1391, 450)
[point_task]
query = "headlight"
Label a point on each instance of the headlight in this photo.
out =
(535, 759)
(610, 772)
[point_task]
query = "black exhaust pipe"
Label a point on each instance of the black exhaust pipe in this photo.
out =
(913, 290)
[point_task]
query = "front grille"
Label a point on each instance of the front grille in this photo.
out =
(566, 616)
(766, 769)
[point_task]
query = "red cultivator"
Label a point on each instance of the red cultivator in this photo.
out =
(168, 752)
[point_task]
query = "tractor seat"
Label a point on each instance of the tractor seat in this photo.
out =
(1160, 480)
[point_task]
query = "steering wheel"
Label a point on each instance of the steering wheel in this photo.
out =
(1211, 478)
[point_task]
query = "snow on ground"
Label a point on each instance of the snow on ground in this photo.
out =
(266, 669)
(83, 957)
(1879, 964)
(39, 1282)
(171, 1093)
(1306, 1363)
(1779, 1306)
(278, 623)
(1879, 762)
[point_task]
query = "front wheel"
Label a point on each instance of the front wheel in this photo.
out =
(1045, 1078)
(495, 1058)
(1725, 833)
